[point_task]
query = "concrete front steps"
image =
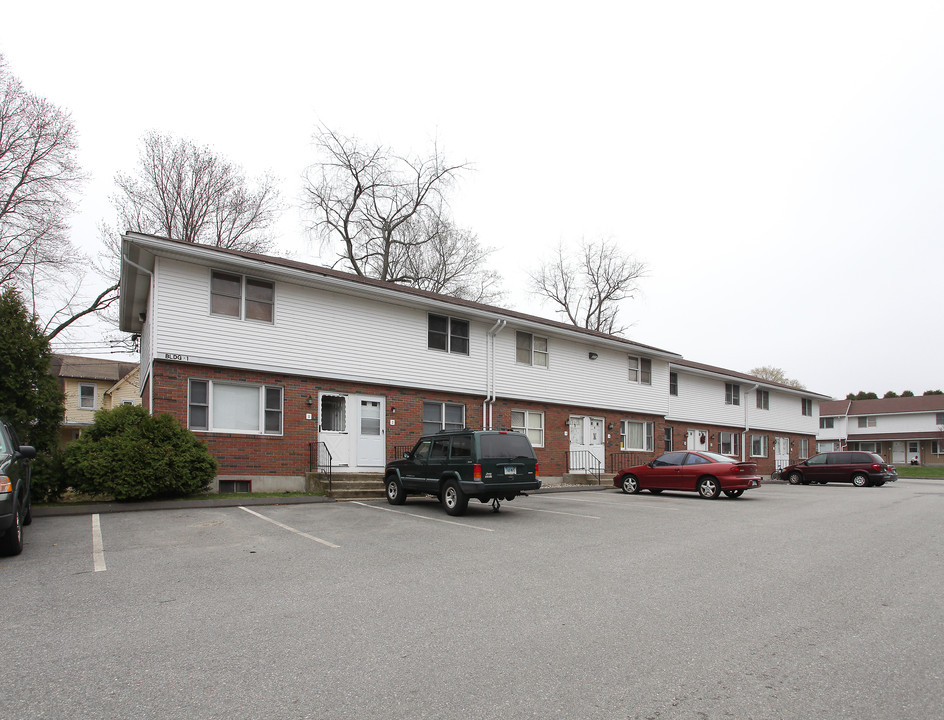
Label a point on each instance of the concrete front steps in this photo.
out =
(348, 486)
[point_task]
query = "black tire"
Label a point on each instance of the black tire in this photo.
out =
(655, 491)
(453, 499)
(709, 487)
(630, 484)
(734, 493)
(794, 478)
(860, 480)
(11, 542)
(396, 495)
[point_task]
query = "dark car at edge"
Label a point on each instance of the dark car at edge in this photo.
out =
(862, 469)
(15, 507)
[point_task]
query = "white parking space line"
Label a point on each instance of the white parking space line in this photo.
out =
(290, 529)
(648, 502)
(98, 549)
(423, 517)
(556, 512)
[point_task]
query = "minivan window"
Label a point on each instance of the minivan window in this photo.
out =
(505, 446)
(817, 460)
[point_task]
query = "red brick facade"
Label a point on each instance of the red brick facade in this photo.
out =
(289, 454)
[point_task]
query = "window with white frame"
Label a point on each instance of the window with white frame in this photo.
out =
(939, 418)
(640, 370)
(729, 443)
(215, 406)
(531, 423)
(763, 400)
(867, 422)
(732, 394)
(937, 447)
(636, 435)
(442, 416)
(806, 406)
(804, 447)
(827, 423)
(868, 446)
(241, 297)
(668, 438)
(448, 334)
(758, 446)
(673, 383)
(86, 396)
(530, 349)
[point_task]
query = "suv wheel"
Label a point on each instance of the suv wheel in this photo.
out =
(794, 478)
(11, 542)
(453, 499)
(396, 495)
(860, 480)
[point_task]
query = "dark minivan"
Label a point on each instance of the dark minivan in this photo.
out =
(15, 508)
(457, 465)
(860, 468)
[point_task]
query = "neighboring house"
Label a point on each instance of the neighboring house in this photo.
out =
(279, 365)
(902, 429)
(91, 384)
(733, 413)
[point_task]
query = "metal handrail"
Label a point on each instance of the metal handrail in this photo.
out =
(315, 463)
(587, 461)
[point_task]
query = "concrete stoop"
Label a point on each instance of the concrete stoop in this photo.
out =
(347, 486)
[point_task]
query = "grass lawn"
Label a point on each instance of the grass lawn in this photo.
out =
(919, 471)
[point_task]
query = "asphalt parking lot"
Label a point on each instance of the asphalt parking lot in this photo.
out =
(791, 602)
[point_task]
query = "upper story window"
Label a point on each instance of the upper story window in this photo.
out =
(939, 418)
(807, 406)
(241, 297)
(732, 394)
(530, 349)
(827, 423)
(86, 396)
(673, 383)
(448, 334)
(640, 370)
(867, 422)
(234, 407)
(763, 400)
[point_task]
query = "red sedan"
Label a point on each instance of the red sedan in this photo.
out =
(709, 474)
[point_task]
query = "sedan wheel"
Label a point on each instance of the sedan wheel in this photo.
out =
(630, 485)
(794, 478)
(734, 493)
(709, 488)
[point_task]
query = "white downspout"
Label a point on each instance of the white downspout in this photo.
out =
(490, 373)
(747, 425)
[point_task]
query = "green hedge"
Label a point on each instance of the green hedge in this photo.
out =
(131, 455)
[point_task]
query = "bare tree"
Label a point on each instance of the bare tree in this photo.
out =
(187, 192)
(589, 285)
(387, 213)
(775, 374)
(40, 178)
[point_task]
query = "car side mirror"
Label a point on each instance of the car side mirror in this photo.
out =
(650, 463)
(27, 451)
(408, 455)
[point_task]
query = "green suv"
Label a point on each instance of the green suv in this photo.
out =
(15, 508)
(456, 465)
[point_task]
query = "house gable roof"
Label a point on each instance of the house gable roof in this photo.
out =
(86, 368)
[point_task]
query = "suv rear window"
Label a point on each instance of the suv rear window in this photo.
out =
(505, 446)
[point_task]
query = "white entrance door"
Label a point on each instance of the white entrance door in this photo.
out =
(696, 440)
(370, 438)
(781, 452)
(898, 452)
(587, 445)
(333, 430)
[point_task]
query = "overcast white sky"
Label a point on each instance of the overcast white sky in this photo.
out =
(779, 166)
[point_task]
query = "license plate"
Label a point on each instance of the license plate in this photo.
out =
(511, 470)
